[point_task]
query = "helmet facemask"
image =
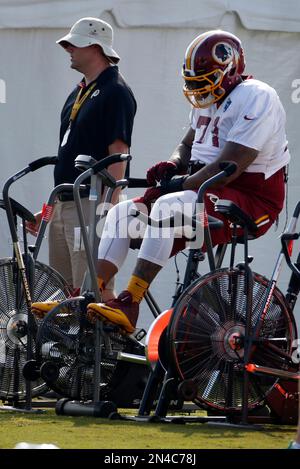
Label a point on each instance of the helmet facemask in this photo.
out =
(205, 89)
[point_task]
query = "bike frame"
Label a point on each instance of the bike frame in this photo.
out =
(25, 262)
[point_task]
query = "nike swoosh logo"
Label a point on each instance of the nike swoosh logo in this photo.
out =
(248, 118)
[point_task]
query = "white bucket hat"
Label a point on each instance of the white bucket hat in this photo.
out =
(88, 31)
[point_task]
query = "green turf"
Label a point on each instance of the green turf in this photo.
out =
(93, 433)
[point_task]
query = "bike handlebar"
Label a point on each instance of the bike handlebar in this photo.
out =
(33, 166)
(290, 235)
(137, 182)
(229, 167)
(115, 158)
(285, 250)
(175, 220)
(296, 212)
(41, 162)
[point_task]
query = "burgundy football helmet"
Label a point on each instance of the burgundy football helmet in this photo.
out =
(213, 65)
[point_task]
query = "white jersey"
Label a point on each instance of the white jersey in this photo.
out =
(251, 115)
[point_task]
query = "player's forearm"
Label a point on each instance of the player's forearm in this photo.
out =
(182, 153)
(181, 156)
(234, 152)
(194, 181)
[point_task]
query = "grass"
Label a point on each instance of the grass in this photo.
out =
(93, 433)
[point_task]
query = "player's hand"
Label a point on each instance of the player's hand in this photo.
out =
(161, 170)
(151, 195)
(175, 184)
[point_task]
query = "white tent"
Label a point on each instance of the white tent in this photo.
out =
(151, 37)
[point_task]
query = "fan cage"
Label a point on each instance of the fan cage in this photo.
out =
(206, 335)
(47, 285)
(66, 338)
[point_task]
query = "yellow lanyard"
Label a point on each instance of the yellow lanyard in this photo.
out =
(79, 101)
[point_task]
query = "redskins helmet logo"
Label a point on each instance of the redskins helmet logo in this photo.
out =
(222, 53)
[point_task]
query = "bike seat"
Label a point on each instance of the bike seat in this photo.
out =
(19, 210)
(235, 214)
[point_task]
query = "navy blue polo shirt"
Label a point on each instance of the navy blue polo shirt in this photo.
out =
(105, 116)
